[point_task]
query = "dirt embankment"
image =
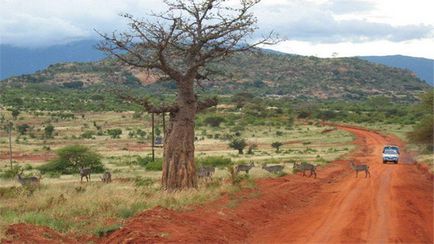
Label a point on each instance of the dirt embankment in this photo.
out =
(394, 205)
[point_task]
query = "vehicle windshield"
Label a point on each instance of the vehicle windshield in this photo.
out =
(390, 151)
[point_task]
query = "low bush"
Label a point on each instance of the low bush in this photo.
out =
(88, 135)
(216, 161)
(143, 161)
(10, 173)
(156, 165)
(104, 231)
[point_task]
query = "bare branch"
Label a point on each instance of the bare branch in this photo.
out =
(146, 104)
(186, 37)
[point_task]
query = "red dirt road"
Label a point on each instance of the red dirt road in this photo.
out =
(394, 205)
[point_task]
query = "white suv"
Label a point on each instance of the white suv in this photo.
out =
(390, 154)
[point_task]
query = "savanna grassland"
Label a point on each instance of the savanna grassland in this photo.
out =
(65, 204)
(122, 141)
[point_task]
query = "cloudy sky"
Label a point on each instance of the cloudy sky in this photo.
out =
(321, 28)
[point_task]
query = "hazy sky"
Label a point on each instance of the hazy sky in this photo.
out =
(315, 27)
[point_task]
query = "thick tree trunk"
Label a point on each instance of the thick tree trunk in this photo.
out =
(179, 170)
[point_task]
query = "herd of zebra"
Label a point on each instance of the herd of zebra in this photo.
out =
(206, 172)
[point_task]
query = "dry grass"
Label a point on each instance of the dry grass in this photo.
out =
(68, 206)
(88, 207)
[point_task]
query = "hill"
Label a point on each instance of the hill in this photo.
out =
(259, 73)
(422, 67)
(312, 77)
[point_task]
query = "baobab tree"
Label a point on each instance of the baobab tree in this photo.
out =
(178, 44)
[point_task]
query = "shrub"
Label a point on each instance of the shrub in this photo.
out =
(423, 133)
(10, 173)
(106, 230)
(88, 134)
(70, 158)
(143, 161)
(49, 131)
(156, 165)
(15, 113)
(216, 161)
(114, 133)
(214, 121)
(22, 129)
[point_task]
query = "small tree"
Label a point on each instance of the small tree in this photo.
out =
(15, 113)
(49, 131)
(22, 129)
(238, 144)
(114, 133)
(277, 145)
(71, 158)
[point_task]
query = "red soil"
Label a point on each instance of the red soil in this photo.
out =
(20, 157)
(26, 233)
(394, 205)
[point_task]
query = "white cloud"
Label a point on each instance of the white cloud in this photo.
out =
(30, 30)
(416, 48)
(45, 22)
(331, 22)
(340, 25)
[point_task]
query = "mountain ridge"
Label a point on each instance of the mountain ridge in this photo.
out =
(261, 73)
(422, 67)
(18, 61)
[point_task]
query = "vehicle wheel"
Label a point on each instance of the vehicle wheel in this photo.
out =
(384, 162)
(396, 162)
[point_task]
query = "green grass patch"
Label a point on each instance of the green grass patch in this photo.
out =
(45, 220)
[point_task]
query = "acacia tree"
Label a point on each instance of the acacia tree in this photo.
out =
(277, 145)
(178, 44)
(238, 144)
